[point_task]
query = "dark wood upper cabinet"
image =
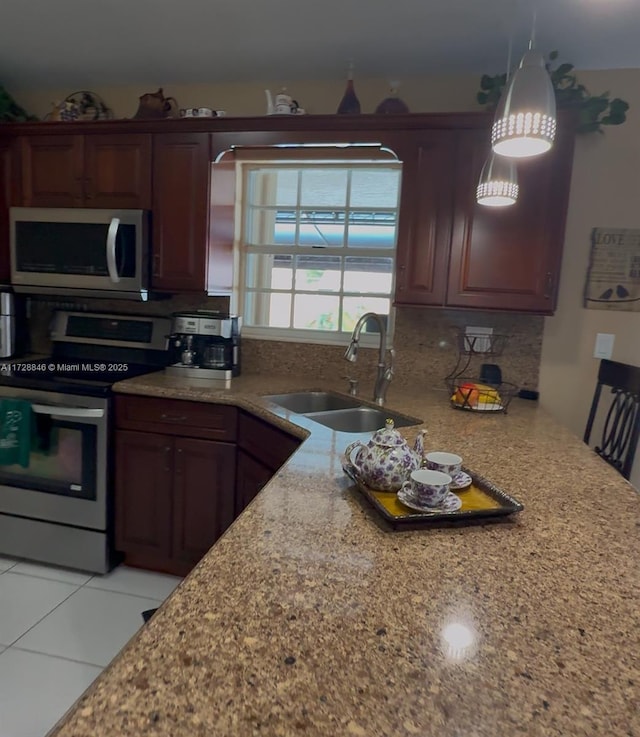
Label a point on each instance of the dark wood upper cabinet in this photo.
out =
(181, 173)
(9, 195)
(118, 171)
(509, 258)
(453, 252)
(96, 170)
(424, 229)
(52, 171)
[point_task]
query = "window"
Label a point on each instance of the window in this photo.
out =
(317, 247)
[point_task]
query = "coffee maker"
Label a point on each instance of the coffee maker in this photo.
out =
(205, 345)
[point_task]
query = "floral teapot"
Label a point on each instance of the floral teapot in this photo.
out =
(386, 461)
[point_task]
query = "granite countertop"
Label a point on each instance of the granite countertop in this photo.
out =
(309, 617)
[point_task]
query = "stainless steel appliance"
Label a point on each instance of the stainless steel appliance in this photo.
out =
(80, 252)
(14, 335)
(59, 509)
(205, 345)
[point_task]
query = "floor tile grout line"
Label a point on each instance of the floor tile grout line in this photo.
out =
(48, 613)
(60, 657)
(86, 585)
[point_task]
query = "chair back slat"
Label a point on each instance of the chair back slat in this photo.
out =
(621, 429)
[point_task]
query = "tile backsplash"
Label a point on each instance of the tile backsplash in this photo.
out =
(426, 342)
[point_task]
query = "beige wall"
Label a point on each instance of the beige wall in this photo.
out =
(605, 191)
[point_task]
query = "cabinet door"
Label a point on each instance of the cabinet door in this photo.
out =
(251, 476)
(117, 171)
(204, 480)
(144, 469)
(180, 208)
(424, 231)
(509, 258)
(52, 171)
(9, 179)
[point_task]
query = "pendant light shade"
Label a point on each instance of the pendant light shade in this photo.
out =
(498, 184)
(525, 122)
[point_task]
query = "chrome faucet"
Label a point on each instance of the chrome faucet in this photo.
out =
(385, 372)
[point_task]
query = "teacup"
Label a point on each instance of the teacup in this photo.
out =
(428, 488)
(444, 462)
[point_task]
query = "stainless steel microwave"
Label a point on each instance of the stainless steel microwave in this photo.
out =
(80, 252)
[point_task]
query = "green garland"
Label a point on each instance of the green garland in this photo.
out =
(10, 111)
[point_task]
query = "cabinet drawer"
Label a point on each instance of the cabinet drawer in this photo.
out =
(177, 417)
(265, 442)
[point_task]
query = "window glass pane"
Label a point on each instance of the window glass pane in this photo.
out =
(316, 312)
(375, 187)
(286, 187)
(266, 309)
(325, 187)
(354, 307)
(372, 230)
(264, 227)
(266, 271)
(321, 228)
(282, 274)
(368, 275)
(318, 273)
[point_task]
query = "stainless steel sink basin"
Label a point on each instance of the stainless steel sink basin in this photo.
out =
(305, 402)
(361, 419)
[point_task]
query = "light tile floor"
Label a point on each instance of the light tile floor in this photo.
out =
(58, 629)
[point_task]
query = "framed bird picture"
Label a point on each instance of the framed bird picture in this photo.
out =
(613, 276)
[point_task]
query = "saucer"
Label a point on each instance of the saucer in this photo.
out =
(451, 503)
(461, 480)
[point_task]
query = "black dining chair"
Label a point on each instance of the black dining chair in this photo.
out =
(621, 428)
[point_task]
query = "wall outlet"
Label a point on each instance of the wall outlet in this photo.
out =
(604, 345)
(476, 340)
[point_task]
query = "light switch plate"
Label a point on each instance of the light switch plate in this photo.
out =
(604, 345)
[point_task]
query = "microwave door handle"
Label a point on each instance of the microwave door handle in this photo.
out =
(79, 412)
(111, 250)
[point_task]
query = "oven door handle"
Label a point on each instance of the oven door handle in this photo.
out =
(110, 246)
(79, 412)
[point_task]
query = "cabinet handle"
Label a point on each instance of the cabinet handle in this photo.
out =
(156, 264)
(167, 455)
(179, 461)
(548, 285)
(173, 418)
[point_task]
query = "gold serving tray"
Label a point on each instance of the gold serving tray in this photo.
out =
(481, 502)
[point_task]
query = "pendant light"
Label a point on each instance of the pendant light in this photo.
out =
(526, 124)
(498, 184)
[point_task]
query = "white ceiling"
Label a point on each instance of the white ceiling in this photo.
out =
(90, 43)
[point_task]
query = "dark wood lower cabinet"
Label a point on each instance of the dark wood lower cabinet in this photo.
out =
(143, 493)
(203, 491)
(184, 471)
(251, 476)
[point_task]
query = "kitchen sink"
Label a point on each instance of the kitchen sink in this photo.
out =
(361, 419)
(305, 402)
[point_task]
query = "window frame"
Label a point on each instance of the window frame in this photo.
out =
(245, 165)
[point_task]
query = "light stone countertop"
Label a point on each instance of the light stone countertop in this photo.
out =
(309, 617)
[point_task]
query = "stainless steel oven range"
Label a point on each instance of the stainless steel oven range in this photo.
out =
(59, 508)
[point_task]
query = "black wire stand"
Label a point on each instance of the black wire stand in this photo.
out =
(487, 393)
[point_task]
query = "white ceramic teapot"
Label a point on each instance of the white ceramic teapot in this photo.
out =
(386, 461)
(283, 105)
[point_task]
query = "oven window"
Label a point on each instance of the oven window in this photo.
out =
(62, 460)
